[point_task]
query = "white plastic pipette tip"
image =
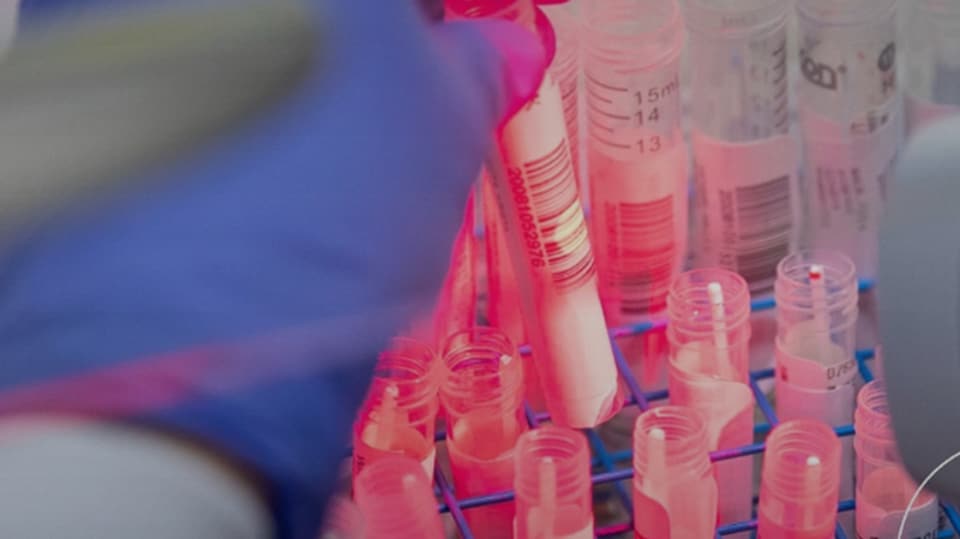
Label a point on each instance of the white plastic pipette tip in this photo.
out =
(392, 391)
(813, 460)
(506, 359)
(816, 272)
(657, 433)
(715, 292)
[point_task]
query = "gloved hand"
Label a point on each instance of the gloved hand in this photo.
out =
(240, 296)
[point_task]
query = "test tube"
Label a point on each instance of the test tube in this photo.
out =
(932, 81)
(745, 161)
(399, 413)
(554, 494)
(798, 486)
(709, 333)
(849, 112)
(456, 308)
(482, 395)
(816, 295)
(396, 500)
(674, 489)
(565, 68)
(883, 486)
(638, 159)
(546, 236)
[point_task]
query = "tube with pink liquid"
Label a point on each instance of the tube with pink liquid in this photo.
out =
(535, 186)
(554, 497)
(400, 411)
(396, 500)
(709, 334)
(799, 487)
(674, 490)
(482, 395)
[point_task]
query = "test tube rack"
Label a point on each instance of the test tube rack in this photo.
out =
(604, 461)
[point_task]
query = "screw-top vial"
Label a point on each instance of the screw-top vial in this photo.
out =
(400, 411)
(709, 332)
(482, 395)
(799, 486)
(884, 488)
(553, 485)
(396, 500)
(674, 490)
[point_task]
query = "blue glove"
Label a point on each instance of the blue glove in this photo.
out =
(239, 296)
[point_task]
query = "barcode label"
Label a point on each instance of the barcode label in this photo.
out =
(643, 255)
(747, 195)
(764, 223)
(554, 227)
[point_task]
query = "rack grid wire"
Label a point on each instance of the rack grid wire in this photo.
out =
(606, 460)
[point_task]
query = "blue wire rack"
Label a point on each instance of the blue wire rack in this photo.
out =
(606, 461)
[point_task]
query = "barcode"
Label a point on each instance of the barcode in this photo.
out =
(648, 254)
(764, 224)
(563, 231)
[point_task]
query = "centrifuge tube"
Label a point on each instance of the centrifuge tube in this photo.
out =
(799, 482)
(848, 106)
(932, 42)
(547, 239)
(399, 413)
(883, 486)
(482, 395)
(745, 160)
(638, 159)
(396, 500)
(565, 69)
(816, 295)
(456, 308)
(554, 494)
(674, 489)
(709, 332)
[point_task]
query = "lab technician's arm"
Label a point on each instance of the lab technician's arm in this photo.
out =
(232, 299)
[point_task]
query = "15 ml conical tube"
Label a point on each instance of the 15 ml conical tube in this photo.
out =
(546, 235)
(482, 395)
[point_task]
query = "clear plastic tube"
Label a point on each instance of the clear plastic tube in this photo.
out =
(799, 483)
(565, 68)
(546, 235)
(816, 295)
(396, 500)
(400, 411)
(932, 42)
(343, 520)
(745, 161)
(482, 395)
(709, 334)
(553, 487)
(883, 486)
(638, 158)
(674, 490)
(849, 111)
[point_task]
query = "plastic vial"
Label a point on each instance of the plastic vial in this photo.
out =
(709, 334)
(638, 158)
(849, 112)
(799, 483)
(745, 160)
(535, 186)
(932, 42)
(482, 395)
(816, 295)
(553, 486)
(674, 489)
(565, 68)
(396, 500)
(399, 413)
(884, 488)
